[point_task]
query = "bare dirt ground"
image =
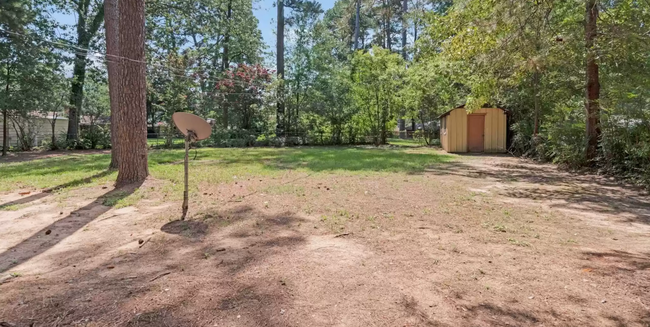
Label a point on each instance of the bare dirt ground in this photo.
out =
(483, 241)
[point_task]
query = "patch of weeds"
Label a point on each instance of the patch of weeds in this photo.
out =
(130, 200)
(518, 243)
(469, 197)
(334, 223)
(499, 228)
(571, 241)
(113, 199)
(122, 199)
(426, 211)
(13, 207)
(285, 189)
(454, 229)
(15, 274)
(506, 213)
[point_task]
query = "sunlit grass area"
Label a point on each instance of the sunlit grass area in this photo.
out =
(403, 142)
(217, 165)
(160, 142)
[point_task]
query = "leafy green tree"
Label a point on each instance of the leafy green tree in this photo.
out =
(377, 82)
(90, 15)
(30, 67)
(429, 91)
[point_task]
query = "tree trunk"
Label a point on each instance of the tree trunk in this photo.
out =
(132, 124)
(85, 33)
(536, 100)
(592, 105)
(405, 8)
(77, 92)
(356, 26)
(54, 117)
(225, 60)
(5, 112)
(111, 24)
(280, 65)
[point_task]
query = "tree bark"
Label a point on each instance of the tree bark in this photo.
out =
(5, 113)
(225, 61)
(280, 66)
(356, 26)
(132, 123)
(405, 8)
(537, 101)
(592, 105)
(54, 117)
(77, 94)
(111, 24)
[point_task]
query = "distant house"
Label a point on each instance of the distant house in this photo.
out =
(482, 130)
(94, 121)
(42, 129)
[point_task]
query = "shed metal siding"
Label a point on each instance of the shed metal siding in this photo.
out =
(455, 139)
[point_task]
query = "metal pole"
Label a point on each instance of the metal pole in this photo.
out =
(185, 193)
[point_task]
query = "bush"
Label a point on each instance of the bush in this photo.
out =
(232, 138)
(625, 151)
(96, 136)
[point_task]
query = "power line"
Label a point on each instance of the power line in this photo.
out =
(115, 58)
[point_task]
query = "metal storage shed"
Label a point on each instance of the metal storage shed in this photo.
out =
(482, 130)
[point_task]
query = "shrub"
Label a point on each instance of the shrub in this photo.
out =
(96, 136)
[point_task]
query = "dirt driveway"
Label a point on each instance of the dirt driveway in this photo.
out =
(482, 241)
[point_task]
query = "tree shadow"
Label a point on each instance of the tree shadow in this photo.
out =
(51, 235)
(615, 261)
(567, 190)
(46, 192)
(412, 308)
(40, 155)
(186, 228)
(598, 200)
(173, 281)
(495, 315)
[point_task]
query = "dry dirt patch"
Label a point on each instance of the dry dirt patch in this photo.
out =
(484, 241)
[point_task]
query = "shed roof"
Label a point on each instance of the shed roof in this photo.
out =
(463, 106)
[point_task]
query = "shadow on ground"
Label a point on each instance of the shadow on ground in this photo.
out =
(141, 287)
(558, 188)
(46, 192)
(51, 235)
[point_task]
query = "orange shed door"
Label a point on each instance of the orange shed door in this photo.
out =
(475, 132)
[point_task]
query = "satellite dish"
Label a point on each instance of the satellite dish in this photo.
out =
(195, 129)
(186, 122)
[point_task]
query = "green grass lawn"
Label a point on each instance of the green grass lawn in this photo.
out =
(216, 165)
(403, 142)
(160, 142)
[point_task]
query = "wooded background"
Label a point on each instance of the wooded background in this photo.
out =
(574, 74)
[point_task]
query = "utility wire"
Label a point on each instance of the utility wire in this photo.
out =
(115, 58)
